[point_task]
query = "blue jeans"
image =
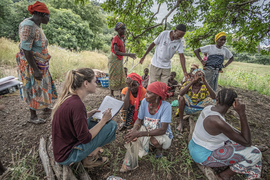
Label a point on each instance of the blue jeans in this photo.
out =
(105, 136)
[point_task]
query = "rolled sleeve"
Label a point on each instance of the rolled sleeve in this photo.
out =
(205, 49)
(158, 39)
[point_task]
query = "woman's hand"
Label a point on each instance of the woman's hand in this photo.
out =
(238, 107)
(107, 115)
(196, 77)
(203, 78)
(131, 136)
(37, 75)
(133, 56)
(91, 113)
(129, 82)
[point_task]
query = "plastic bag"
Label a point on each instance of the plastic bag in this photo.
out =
(175, 103)
(144, 148)
(131, 157)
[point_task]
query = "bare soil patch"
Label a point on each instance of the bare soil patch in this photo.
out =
(18, 138)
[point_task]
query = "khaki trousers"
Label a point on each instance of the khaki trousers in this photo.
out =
(159, 74)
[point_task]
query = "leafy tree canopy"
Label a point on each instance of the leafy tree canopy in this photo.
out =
(246, 21)
(88, 12)
(68, 30)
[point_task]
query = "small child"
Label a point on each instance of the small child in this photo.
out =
(172, 83)
(145, 78)
(125, 71)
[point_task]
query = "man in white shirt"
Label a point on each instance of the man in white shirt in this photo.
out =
(216, 54)
(168, 42)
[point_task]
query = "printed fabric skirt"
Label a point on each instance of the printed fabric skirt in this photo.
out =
(241, 159)
(36, 94)
(117, 77)
(190, 108)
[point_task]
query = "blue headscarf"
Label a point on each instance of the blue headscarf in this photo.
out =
(119, 25)
(196, 70)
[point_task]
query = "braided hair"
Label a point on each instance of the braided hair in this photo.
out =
(226, 97)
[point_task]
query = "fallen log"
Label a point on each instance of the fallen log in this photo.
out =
(45, 159)
(61, 172)
(207, 171)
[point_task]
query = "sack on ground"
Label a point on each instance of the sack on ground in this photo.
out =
(131, 157)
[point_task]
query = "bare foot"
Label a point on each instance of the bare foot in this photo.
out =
(180, 127)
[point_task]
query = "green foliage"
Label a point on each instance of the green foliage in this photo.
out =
(68, 30)
(246, 22)
(88, 12)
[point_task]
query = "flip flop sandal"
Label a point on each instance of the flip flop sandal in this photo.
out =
(263, 147)
(160, 156)
(37, 121)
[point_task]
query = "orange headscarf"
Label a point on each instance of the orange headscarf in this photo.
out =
(159, 88)
(39, 7)
(136, 77)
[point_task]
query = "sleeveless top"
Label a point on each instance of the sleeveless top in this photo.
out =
(201, 137)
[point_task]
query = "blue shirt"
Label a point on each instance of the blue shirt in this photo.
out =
(151, 122)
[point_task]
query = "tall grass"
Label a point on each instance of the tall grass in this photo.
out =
(250, 76)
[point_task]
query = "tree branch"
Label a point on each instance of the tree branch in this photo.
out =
(154, 15)
(165, 18)
(244, 3)
(141, 6)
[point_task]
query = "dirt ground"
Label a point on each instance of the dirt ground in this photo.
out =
(19, 139)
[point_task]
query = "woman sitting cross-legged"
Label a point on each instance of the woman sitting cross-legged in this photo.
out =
(76, 138)
(153, 123)
(132, 97)
(215, 143)
(194, 96)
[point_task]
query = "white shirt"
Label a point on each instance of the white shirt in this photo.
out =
(165, 50)
(213, 50)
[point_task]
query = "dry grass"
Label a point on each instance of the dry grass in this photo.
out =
(244, 75)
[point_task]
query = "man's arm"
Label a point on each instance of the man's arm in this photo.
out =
(183, 64)
(152, 45)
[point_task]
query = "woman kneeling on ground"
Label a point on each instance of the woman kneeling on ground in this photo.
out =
(215, 143)
(131, 95)
(194, 96)
(76, 138)
(153, 123)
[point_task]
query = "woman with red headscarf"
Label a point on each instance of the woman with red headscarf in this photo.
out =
(153, 123)
(38, 88)
(131, 95)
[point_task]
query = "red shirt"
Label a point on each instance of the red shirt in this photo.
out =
(120, 44)
(69, 128)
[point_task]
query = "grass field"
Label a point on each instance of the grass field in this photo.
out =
(249, 76)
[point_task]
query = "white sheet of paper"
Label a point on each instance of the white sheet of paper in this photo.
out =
(109, 102)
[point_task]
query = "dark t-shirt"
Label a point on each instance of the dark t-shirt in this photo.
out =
(174, 82)
(69, 128)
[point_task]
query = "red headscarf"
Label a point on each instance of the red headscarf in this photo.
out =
(39, 7)
(159, 88)
(136, 77)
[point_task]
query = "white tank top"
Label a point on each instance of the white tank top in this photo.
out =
(201, 137)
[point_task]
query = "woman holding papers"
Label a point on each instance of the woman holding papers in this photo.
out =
(76, 138)
(132, 97)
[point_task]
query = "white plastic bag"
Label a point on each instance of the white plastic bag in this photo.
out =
(131, 157)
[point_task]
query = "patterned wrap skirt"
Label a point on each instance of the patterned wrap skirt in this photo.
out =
(117, 77)
(36, 94)
(241, 159)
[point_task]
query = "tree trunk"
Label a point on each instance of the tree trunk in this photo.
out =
(45, 159)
